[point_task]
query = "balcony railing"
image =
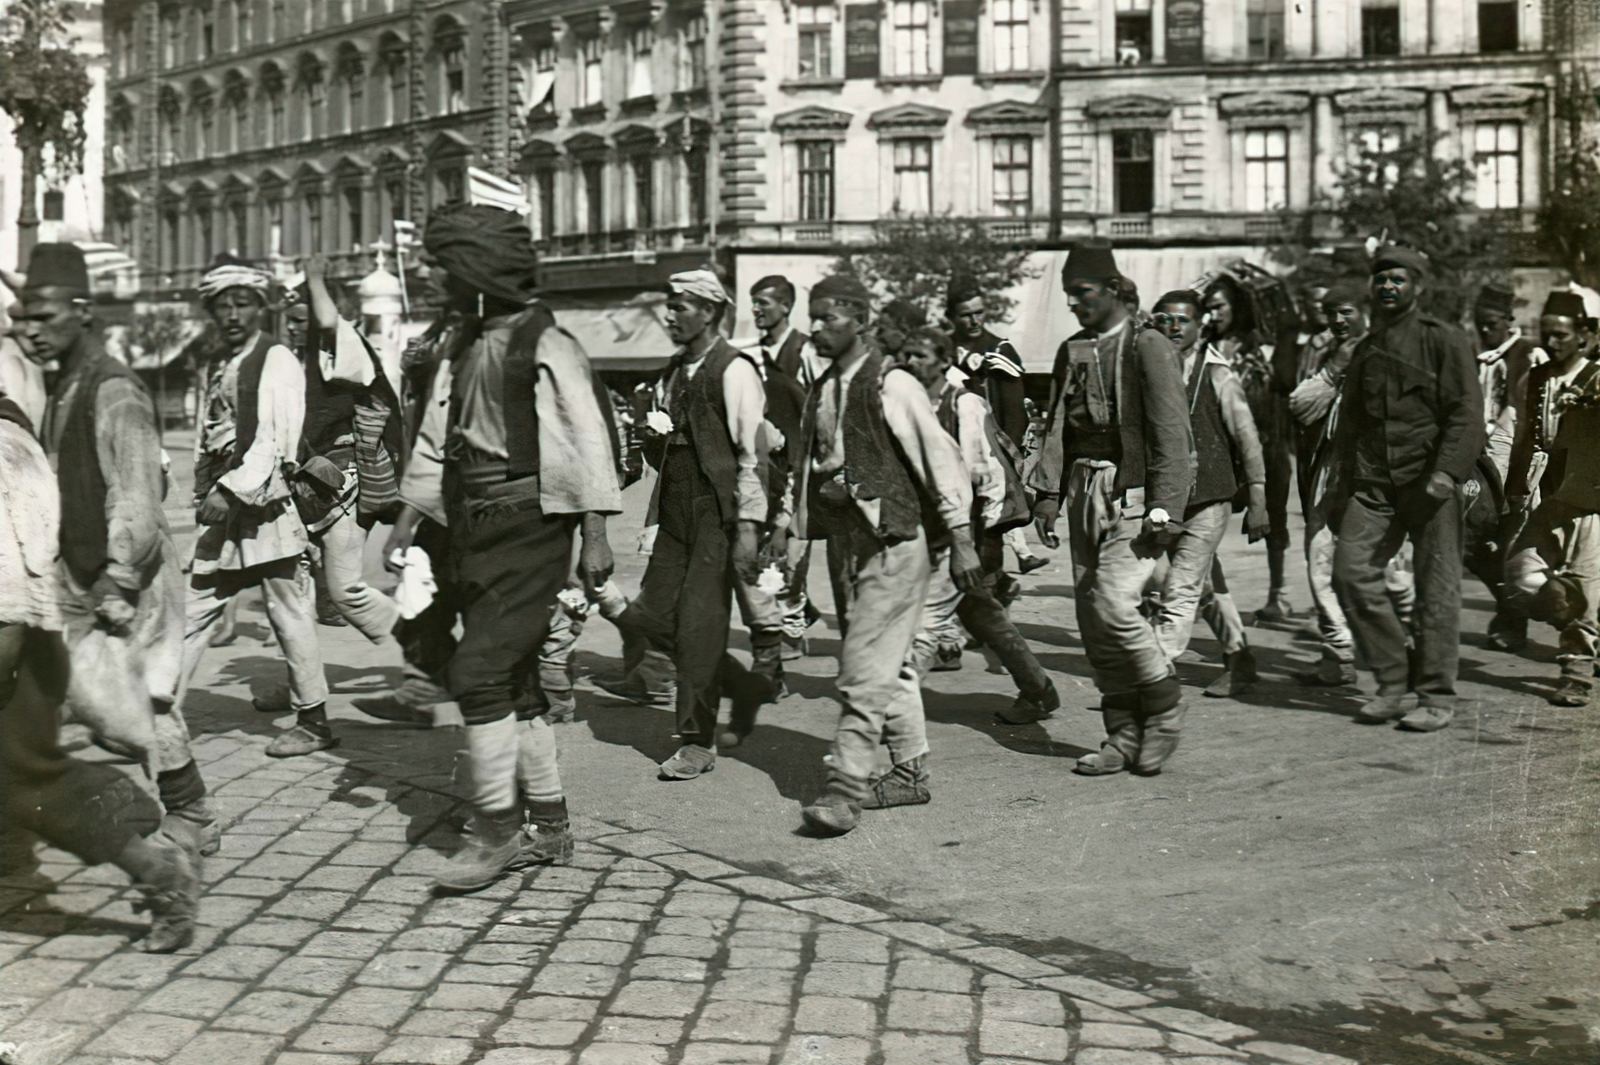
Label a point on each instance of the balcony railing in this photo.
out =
(621, 242)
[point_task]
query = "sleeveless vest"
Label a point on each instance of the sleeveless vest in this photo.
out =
(330, 405)
(247, 402)
(83, 485)
(1214, 478)
(519, 382)
(706, 415)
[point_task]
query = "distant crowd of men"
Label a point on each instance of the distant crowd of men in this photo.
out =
(495, 454)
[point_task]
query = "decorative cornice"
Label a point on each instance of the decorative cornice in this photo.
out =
(1244, 105)
(812, 119)
(1008, 115)
(908, 117)
(1380, 100)
(1482, 97)
(586, 143)
(1130, 105)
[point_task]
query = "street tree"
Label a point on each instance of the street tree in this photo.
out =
(914, 257)
(1407, 194)
(1569, 220)
(44, 87)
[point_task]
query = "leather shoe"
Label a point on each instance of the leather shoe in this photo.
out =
(1382, 709)
(832, 814)
(302, 739)
(1571, 692)
(1028, 563)
(1329, 673)
(1030, 707)
(691, 760)
(1427, 719)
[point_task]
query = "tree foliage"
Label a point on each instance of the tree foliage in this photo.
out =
(1410, 196)
(158, 330)
(44, 85)
(1569, 221)
(913, 258)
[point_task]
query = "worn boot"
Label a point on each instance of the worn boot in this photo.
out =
(546, 835)
(650, 680)
(1123, 737)
(1162, 708)
(1508, 632)
(1382, 709)
(1277, 612)
(1428, 717)
(747, 690)
(167, 871)
(1238, 677)
(492, 848)
(1330, 673)
(310, 734)
(904, 785)
(190, 817)
(947, 659)
(1029, 707)
(838, 809)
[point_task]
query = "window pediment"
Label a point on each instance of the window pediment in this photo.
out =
(636, 137)
(1483, 97)
(1380, 100)
(1132, 106)
(813, 119)
(586, 144)
(448, 143)
(272, 177)
(1246, 105)
(909, 118)
(1008, 116)
(536, 153)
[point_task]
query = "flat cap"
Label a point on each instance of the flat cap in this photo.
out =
(1395, 255)
(1090, 260)
(841, 287)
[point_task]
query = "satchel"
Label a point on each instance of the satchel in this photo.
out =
(316, 487)
(378, 491)
(1017, 510)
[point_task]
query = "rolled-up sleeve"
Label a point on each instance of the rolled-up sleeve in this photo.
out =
(348, 357)
(935, 458)
(423, 484)
(259, 479)
(745, 396)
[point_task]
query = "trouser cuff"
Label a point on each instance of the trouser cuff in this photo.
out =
(1161, 696)
(180, 787)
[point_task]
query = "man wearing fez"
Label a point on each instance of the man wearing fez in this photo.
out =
(516, 453)
(1118, 454)
(884, 484)
(121, 577)
(1410, 431)
(711, 505)
(1553, 571)
(1504, 361)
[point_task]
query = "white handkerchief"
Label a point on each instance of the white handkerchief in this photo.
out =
(658, 421)
(417, 586)
(771, 580)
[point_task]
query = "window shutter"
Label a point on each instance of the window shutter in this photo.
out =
(861, 40)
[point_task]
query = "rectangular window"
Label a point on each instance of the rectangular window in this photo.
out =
(55, 205)
(695, 177)
(816, 40)
(1380, 28)
(816, 181)
(241, 26)
(239, 219)
(455, 82)
(355, 218)
(1497, 26)
(1133, 32)
(1013, 176)
(692, 54)
(544, 182)
(1264, 28)
(592, 53)
(1498, 157)
(1011, 35)
(594, 202)
(1266, 169)
(911, 36)
(275, 227)
(1133, 170)
(394, 191)
(913, 175)
(313, 205)
(641, 48)
(169, 235)
(208, 35)
(644, 192)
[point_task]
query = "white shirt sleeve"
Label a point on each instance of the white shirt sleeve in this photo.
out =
(351, 358)
(280, 415)
(935, 457)
(746, 399)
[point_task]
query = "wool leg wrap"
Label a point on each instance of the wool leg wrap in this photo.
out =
(538, 777)
(180, 787)
(493, 752)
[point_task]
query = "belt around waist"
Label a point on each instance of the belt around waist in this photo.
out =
(489, 478)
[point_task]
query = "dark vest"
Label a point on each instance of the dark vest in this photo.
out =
(705, 412)
(83, 486)
(330, 405)
(875, 466)
(519, 380)
(788, 356)
(247, 399)
(1214, 478)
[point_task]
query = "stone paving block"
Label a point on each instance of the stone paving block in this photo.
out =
(516, 932)
(563, 878)
(511, 975)
(1178, 1043)
(1127, 1036)
(458, 1024)
(374, 854)
(845, 978)
(725, 1054)
(701, 904)
(526, 1056)
(827, 1015)
(555, 1008)
(1031, 1041)
(682, 946)
(622, 1054)
(929, 936)
(341, 1039)
(648, 896)
(190, 996)
(929, 1011)
(756, 985)
(541, 1033)
(233, 1048)
(1010, 962)
(35, 977)
(234, 845)
(847, 944)
(252, 886)
(741, 1022)
(279, 866)
(145, 1035)
(924, 972)
(1206, 1059)
(1196, 1024)
(1093, 1011)
(227, 911)
(766, 939)
(345, 878)
(826, 1050)
(561, 978)
(79, 1003)
(1293, 1055)
(295, 1057)
(764, 887)
(902, 1049)
(318, 844)
(563, 902)
(382, 1007)
(47, 1042)
(138, 971)
(404, 969)
(763, 958)
(691, 926)
(441, 937)
(656, 998)
(488, 998)
(312, 975)
(362, 945)
(503, 954)
(665, 967)
(273, 932)
(374, 917)
(401, 890)
(639, 845)
(837, 910)
(274, 1012)
(426, 1050)
(1029, 1007)
(80, 947)
(1111, 1056)
(619, 911)
(236, 963)
(657, 1031)
(1082, 987)
(591, 951)
(698, 865)
(463, 913)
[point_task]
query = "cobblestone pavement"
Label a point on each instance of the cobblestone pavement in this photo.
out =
(321, 945)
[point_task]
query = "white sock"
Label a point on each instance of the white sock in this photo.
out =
(492, 750)
(538, 776)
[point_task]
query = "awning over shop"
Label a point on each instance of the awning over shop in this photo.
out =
(628, 334)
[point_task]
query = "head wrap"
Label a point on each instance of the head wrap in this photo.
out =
(702, 283)
(1565, 305)
(227, 272)
(487, 248)
(1410, 260)
(775, 283)
(1090, 260)
(963, 288)
(1496, 299)
(842, 287)
(58, 266)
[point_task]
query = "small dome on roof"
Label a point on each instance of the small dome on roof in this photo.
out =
(379, 283)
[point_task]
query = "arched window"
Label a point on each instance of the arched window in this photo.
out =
(393, 55)
(171, 110)
(271, 94)
(124, 151)
(236, 112)
(449, 45)
(351, 72)
(310, 85)
(202, 117)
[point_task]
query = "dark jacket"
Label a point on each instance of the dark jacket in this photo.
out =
(83, 485)
(995, 370)
(788, 354)
(1152, 412)
(1572, 474)
(1411, 404)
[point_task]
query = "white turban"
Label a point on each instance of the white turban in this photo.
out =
(234, 275)
(702, 283)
